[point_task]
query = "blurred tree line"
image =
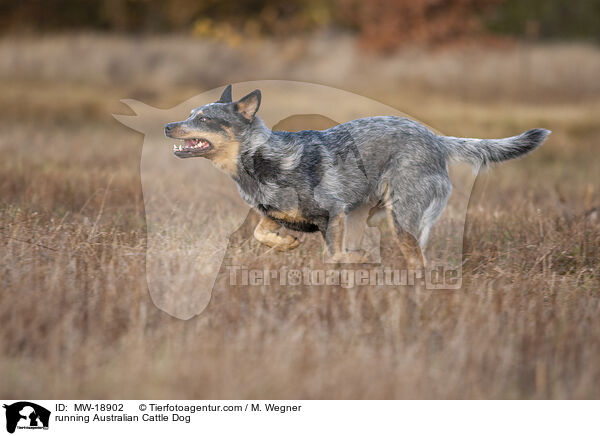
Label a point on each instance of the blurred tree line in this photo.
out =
(380, 24)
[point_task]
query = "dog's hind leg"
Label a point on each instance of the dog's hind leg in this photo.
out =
(415, 202)
(430, 216)
(400, 222)
(266, 233)
(409, 245)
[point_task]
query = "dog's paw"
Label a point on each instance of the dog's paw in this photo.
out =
(355, 256)
(286, 243)
(275, 240)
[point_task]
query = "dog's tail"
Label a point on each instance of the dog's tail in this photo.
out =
(484, 151)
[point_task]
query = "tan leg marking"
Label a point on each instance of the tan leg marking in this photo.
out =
(409, 246)
(343, 238)
(292, 215)
(377, 216)
(411, 250)
(266, 233)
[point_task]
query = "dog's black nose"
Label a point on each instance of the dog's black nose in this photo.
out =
(168, 128)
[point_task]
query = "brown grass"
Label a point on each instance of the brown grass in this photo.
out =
(76, 317)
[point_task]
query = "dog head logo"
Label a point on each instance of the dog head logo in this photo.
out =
(26, 415)
(193, 205)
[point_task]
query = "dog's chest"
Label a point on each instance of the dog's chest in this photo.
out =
(279, 204)
(293, 219)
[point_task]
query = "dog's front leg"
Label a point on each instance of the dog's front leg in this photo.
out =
(266, 233)
(334, 239)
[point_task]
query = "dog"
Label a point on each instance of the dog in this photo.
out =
(335, 181)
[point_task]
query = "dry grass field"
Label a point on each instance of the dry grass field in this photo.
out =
(76, 316)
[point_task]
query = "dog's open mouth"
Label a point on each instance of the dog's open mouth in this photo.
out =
(192, 147)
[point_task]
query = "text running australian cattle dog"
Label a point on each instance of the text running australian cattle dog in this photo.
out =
(359, 168)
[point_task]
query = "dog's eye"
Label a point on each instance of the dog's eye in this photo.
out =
(203, 119)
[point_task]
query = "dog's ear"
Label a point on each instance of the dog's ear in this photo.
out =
(248, 105)
(226, 96)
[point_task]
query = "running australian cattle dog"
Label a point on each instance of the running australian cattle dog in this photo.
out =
(333, 181)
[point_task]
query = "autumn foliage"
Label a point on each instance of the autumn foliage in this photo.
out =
(384, 25)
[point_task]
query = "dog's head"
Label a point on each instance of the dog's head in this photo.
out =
(212, 130)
